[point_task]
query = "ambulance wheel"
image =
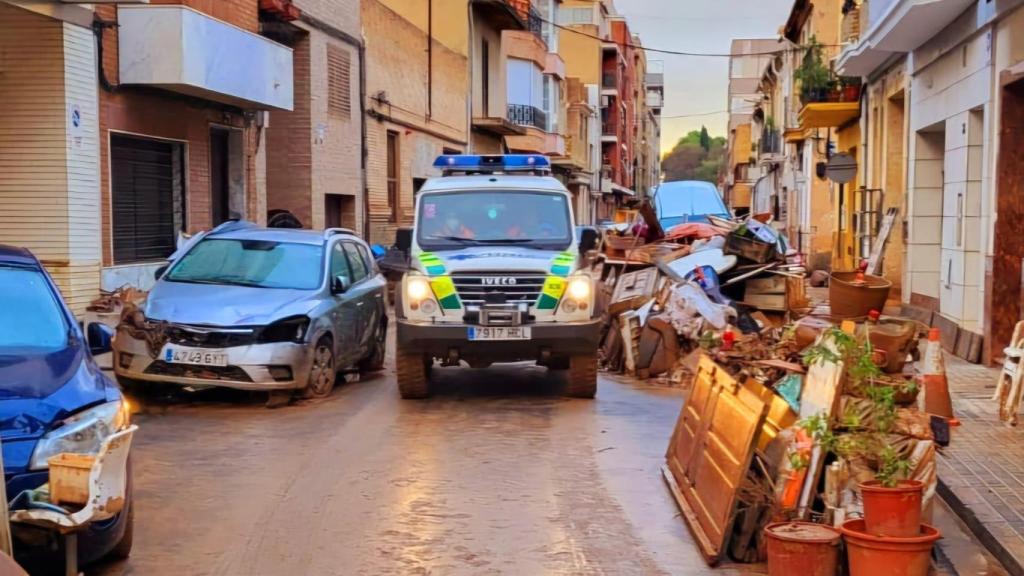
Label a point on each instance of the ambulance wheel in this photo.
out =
(583, 376)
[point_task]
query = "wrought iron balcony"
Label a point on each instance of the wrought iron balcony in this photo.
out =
(526, 115)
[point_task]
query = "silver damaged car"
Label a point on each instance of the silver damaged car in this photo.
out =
(259, 309)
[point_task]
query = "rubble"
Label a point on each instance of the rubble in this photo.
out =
(810, 409)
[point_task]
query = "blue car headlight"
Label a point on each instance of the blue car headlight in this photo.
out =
(82, 433)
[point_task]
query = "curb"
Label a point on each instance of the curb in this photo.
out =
(989, 540)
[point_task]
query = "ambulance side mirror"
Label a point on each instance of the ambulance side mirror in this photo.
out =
(588, 239)
(403, 239)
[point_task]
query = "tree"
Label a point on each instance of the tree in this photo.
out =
(697, 156)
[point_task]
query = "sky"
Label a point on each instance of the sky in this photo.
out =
(698, 85)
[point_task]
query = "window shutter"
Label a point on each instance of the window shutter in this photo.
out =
(339, 82)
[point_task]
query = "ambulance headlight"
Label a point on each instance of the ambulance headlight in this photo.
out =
(417, 289)
(580, 289)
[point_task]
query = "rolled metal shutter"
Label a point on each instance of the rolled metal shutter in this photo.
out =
(143, 198)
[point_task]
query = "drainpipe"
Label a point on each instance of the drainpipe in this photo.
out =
(363, 133)
(430, 58)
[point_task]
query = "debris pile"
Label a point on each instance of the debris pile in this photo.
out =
(801, 423)
(673, 292)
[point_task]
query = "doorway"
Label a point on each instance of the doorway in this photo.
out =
(227, 175)
(925, 215)
(339, 211)
(1004, 303)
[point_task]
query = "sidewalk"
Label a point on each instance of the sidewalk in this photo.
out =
(981, 473)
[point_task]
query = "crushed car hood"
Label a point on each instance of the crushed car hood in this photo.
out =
(41, 390)
(495, 259)
(224, 305)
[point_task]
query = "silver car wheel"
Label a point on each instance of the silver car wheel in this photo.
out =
(322, 374)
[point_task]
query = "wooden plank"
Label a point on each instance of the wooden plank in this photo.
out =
(875, 260)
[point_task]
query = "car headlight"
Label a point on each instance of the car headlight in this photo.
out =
(82, 433)
(418, 289)
(288, 330)
(579, 289)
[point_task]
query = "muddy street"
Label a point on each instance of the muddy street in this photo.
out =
(497, 474)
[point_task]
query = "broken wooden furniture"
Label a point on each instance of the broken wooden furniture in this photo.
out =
(108, 481)
(710, 453)
(1008, 388)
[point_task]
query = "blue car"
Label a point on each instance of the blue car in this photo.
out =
(53, 399)
(687, 201)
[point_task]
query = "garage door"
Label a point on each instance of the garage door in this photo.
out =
(147, 197)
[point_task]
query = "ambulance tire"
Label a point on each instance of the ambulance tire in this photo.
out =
(582, 376)
(413, 374)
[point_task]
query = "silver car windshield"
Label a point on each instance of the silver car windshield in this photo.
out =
(255, 263)
(30, 316)
(456, 219)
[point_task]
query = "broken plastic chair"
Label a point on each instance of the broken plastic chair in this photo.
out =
(108, 481)
(1008, 388)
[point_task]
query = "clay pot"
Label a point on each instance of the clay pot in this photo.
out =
(870, 555)
(851, 93)
(851, 300)
(894, 512)
(802, 548)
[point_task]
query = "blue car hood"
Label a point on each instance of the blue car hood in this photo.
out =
(39, 390)
(224, 305)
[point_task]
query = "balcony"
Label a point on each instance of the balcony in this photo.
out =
(771, 142)
(180, 49)
(610, 83)
(503, 14)
(526, 115)
(896, 26)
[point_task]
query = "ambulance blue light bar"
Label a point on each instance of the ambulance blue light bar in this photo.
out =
(492, 164)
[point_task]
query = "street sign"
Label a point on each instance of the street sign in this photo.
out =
(842, 168)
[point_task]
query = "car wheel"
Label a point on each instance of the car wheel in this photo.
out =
(583, 376)
(323, 372)
(374, 361)
(123, 549)
(413, 375)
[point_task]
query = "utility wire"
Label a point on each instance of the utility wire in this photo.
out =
(695, 115)
(681, 53)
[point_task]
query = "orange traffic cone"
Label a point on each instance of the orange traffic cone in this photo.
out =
(933, 381)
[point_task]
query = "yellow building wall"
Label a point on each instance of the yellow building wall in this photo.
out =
(846, 254)
(582, 55)
(451, 26)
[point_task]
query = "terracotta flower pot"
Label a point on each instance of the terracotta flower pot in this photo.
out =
(870, 555)
(802, 548)
(892, 511)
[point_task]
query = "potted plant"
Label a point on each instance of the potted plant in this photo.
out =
(851, 89)
(892, 502)
(835, 91)
(814, 76)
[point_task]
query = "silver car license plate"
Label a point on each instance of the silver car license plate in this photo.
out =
(196, 357)
(477, 333)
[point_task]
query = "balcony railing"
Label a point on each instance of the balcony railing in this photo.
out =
(526, 115)
(855, 22)
(534, 22)
(771, 142)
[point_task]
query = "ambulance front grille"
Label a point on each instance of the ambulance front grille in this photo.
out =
(474, 287)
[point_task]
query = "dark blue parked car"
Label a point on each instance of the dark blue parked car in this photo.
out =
(53, 399)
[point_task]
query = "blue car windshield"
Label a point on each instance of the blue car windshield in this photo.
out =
(254, 263)
(30, 317)
(676, 199)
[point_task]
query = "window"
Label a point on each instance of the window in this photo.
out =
(339, 263)
(31, 317)
(252, 263)
(576, 16)
(548, 10)
(371, 265)
(526, 94)
(453, 220)
(356, 262)
(147, 181)
(339, 82)
(393, 191)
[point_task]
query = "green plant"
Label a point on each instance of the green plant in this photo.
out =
(892, 467)
(814, 76)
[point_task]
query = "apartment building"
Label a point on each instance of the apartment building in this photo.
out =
(128, 125)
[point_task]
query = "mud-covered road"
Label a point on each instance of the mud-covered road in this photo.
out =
(496, 474)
